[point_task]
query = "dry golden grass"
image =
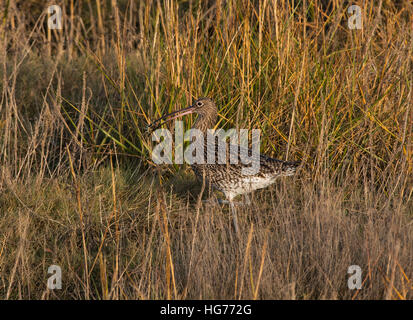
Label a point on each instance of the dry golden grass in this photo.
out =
(78, 188)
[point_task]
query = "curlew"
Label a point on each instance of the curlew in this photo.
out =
(229, 178)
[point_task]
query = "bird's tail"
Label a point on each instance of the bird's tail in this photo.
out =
(289, 168)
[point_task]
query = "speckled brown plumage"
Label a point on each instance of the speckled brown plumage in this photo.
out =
(228, 177)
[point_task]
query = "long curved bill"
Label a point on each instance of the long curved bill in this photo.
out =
(170, 116)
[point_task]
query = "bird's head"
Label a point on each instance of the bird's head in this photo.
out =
(204, 107)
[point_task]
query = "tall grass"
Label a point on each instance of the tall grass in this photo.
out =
(79, 189)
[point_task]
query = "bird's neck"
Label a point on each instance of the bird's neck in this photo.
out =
(205, 122)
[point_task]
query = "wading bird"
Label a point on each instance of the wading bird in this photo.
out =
(229, 178)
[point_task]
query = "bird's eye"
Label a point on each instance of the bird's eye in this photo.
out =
(199, 104)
